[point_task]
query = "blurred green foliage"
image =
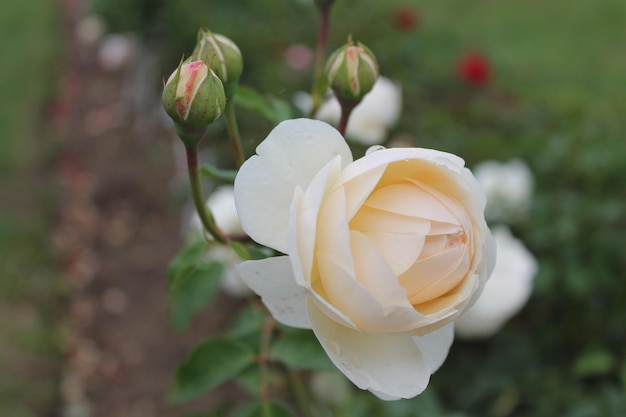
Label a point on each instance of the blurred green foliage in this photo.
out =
(29, 288)
(556, 100)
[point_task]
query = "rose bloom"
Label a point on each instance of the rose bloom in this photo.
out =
(509, 188)
(381, 254)
(506, 291)
(371, 120)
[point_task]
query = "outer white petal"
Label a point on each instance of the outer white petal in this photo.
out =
(303, 219)
(391, 367)
(436, 345)
(273, 280)
(290, 156)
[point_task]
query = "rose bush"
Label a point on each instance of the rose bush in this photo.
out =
(381, 253)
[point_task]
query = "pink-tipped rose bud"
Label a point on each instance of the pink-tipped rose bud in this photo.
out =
(193, 97)
(352, 71)
(223, 56)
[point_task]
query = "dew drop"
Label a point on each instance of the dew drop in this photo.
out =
(265, 179)
(332, 346)
(309, 139)
(374, 148)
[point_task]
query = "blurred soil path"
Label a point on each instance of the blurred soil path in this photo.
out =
(118, 228)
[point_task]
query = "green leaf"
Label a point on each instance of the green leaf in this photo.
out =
(272, 409)
(211, 363)
(299, 349)
(209, 170)
(272, 108)
(250, 380)
(594, 362)
(190, 255)
(248, 321)
(191, 290)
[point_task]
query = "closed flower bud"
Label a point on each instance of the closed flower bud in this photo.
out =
(352, 71)
(223, 56)
(193, 97)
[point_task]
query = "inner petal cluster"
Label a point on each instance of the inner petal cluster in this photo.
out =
(420, 237)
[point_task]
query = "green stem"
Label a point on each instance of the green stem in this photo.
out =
(302, 396)
(196, 193)
(320, 57)
(233, 133)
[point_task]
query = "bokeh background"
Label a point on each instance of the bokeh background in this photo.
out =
(550, 89)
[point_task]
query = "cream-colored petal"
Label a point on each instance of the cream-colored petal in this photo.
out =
(272, 279)
(439, 228)
(434, 276)
(369, 219)
(293, 153)
(436, 345)
(447, 179)
(392, 367)
(409, 200)
(304, 219)
(434, 244)
(406, 163)
(358, 189)
(362, 307)
(375, 274)
(400, 250)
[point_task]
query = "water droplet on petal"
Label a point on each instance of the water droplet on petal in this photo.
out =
(309, 139)
(332, 346)
(374, 148)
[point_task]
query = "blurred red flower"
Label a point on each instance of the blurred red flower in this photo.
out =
(405, 19)
(474, 69)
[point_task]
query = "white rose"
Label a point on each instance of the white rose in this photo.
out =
(222, 204)
(381, 253)
(371, 119)
(509, 187)
(506, 291)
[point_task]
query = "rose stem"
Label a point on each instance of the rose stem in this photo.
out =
(300, 392)
(196, 193)
(233, 133)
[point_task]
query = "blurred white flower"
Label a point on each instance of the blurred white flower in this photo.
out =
(509, 188)
(115, 52)
(506, 291)
(371, 119)
(222, 204)
(89, 30)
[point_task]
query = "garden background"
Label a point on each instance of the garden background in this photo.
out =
(91, 208)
